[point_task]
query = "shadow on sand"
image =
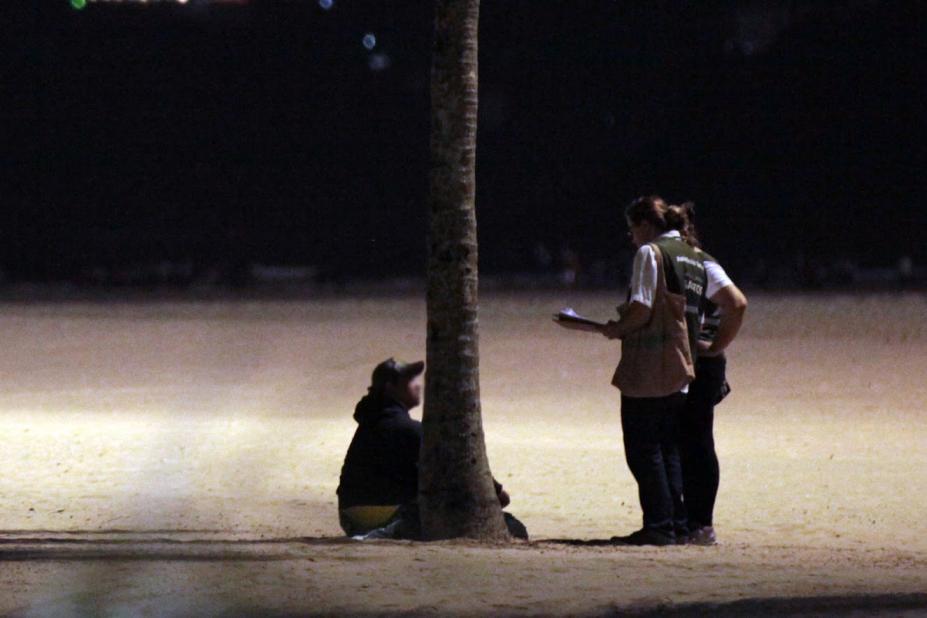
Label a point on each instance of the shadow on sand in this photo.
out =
(107, 546)
(900, 605)
(579, 542)
(153, 545)
(849, 605)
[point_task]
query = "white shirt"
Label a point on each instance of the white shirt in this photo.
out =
(644, 274)
(644, 277)
(717, 279)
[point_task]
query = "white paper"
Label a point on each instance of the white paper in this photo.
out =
(568, 318)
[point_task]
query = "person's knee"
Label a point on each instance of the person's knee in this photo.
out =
(640, 463)
(346, 525)
(516, 528)
(698, 455)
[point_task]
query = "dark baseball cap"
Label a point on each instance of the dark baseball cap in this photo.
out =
(392, 370)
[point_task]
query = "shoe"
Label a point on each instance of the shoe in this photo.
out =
(389, 531)
(646, 536)
(705, 536)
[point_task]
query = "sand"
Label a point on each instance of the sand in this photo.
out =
(178, 458)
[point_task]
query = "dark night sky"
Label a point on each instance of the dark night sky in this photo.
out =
(260, 131)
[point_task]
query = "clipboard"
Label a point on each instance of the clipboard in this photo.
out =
(568, 318)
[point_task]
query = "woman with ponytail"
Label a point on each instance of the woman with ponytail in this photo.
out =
(659, 328)
(721, 318)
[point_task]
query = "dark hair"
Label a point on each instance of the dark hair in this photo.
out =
(681, 218)
(663, 217)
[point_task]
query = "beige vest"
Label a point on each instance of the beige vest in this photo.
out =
(656, 360)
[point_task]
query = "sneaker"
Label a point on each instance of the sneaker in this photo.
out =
(646, 536)
(704, 536)
(389, 531)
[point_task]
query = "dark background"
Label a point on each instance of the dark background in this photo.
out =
(263, 132)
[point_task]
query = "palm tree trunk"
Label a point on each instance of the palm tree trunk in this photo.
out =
(456, 494)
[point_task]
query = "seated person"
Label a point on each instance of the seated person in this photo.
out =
(379, 479)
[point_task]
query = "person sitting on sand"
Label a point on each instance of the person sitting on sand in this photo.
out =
(379, 479)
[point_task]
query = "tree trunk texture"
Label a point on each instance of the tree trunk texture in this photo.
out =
(456, 494)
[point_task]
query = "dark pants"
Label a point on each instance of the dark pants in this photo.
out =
(700, 470)
(405, 524)
(650, 447)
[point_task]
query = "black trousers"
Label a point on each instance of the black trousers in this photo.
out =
(651, 433)
(700, 470)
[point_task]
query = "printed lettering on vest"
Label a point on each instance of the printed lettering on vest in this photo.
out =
(687, 260)
(695, 287)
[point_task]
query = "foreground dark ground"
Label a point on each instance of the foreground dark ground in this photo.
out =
(168, 574)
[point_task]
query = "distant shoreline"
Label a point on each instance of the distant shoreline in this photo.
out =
(399, 287)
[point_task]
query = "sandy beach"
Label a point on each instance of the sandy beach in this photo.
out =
(181, 458)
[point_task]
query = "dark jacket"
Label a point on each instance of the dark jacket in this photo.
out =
(381, 467)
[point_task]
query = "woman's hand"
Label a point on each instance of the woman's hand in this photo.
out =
(503, 495)
(705, 349)
(611, 329)
(634, 317)
(504, 499)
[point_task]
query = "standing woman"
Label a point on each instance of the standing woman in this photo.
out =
(721, 321)
(659, 328)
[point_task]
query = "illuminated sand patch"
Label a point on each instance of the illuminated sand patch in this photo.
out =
(228, 421)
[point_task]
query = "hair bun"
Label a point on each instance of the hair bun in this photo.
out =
(677, 217)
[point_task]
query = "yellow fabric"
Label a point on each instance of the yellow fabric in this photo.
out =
(370, 517)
